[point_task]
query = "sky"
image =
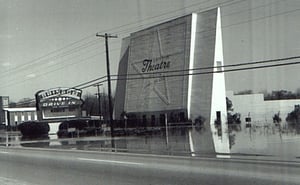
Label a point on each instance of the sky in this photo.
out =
(52, 43)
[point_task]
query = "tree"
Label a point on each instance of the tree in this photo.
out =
(124, 118)
(232, 118)
(293, 118)
(25, 102)
(12, 104)
(199, 122)
(234, 124)
(281, 95)
(90, 104)
(229, 104)
(244, 92)
(276, 119)
(298, 93)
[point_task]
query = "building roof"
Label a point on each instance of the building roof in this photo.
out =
(20, 109)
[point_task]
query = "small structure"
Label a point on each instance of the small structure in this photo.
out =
(11, 117)
(15, 116)
(3, 104)
(262, 111)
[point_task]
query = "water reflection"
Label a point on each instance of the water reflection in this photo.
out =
(232, 129)
(176, 140)
(37, 141)
(9, 138)
(267, 139)
(191, 140)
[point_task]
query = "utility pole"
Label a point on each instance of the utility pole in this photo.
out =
(99, 100)
(106, 36)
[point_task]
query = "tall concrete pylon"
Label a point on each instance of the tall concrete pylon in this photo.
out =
(218, 101)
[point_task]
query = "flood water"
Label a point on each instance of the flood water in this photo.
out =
(267, 140)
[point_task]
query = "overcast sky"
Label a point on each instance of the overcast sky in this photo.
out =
(52, 43)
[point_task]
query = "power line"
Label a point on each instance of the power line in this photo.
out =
(28, 64)
(263, 17)
(231, 14)
(91, 81)
(225, 4)
(52, 52)
(155, 22)
(60, 55)
(212, 67)
(96, 81)
(44, 73)
(119, 77)
(11, 83)
(258, 18)
(209, 72)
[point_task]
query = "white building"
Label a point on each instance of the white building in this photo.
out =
(15, 116)
(261, 111)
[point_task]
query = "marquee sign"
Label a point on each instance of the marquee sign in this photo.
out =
(61, 92)
(59, 103)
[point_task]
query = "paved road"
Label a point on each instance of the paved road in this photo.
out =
(48, 167)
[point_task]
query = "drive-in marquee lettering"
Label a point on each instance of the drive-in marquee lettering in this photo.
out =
(69, 92)
(61, 103)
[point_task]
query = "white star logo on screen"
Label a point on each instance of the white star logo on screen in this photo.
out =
(154, 83)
